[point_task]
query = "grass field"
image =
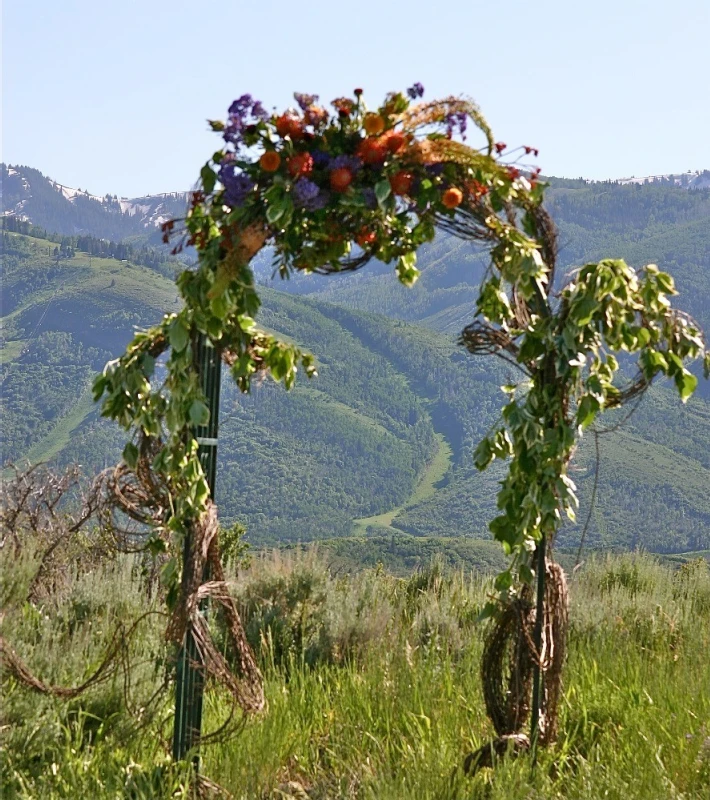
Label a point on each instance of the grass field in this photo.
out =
(373, 688)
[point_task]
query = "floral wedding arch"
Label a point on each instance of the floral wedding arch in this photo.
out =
(327, 192)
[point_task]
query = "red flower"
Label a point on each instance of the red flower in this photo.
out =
(372, 150)
(394, 141)
(365, 238)
(340, 179)
(513, 173)
(344, 106)
(477, 189)
(500, 146)
(401, 182)
(300, 164)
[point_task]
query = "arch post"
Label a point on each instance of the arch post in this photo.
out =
(190, 678)
(538, 688)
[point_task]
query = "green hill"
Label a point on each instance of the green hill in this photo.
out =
(379, 445)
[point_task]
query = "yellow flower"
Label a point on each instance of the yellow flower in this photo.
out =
(373, 124)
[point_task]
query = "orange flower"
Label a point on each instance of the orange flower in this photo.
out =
(401, 182)
(452, 197)
(270, 161)
(373, 124)
(340, 179)
(289, 125)
(372, 151)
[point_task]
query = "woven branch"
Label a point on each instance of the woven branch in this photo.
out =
(243, 678)
(509, 656)
(480, 338)
(15, 666)
(139, 496)
(142, 497)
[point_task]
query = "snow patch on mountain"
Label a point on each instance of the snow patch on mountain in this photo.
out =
(700, 179)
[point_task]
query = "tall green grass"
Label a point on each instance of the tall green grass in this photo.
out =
(373, 689)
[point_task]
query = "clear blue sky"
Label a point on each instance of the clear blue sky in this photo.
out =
(112, 95)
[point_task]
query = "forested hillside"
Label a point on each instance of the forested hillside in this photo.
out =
(644, 224)
(380, 443)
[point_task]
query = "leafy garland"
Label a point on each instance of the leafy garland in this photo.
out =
(566, 348)
(328, 192)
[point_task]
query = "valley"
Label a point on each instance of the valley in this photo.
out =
(381, 442)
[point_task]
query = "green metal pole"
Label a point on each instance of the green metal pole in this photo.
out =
(189, 682)
(537, 639)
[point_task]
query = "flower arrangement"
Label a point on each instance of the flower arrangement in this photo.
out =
(329, 191)
(332, 190)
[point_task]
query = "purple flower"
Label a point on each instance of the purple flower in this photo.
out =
(320, 159)
(368, 194)
(353, 163)
(304, 191)
(456, 120)
(415, 91)
(308, 195)
(434, 169)
(305, 100)
(238, 186)
(243, 111)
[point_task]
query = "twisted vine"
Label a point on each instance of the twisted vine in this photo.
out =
(330, 191)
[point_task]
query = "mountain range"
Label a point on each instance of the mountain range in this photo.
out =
(380, 444)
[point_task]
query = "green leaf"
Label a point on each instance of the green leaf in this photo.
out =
(503, 581)
(525, 573)
(582, 311)
(665, 283)
(686, 383)
(274, 213)
(406, 271)
(382, 191)
(155, 546)
(199, 413)
(98, 387)
(209, 178)
(643, 336)
(488, 611)
(246, 323)
(130, 455)
(178, 335)
(147, 364)
(483, 455)
(587, 410)
(220, 306)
